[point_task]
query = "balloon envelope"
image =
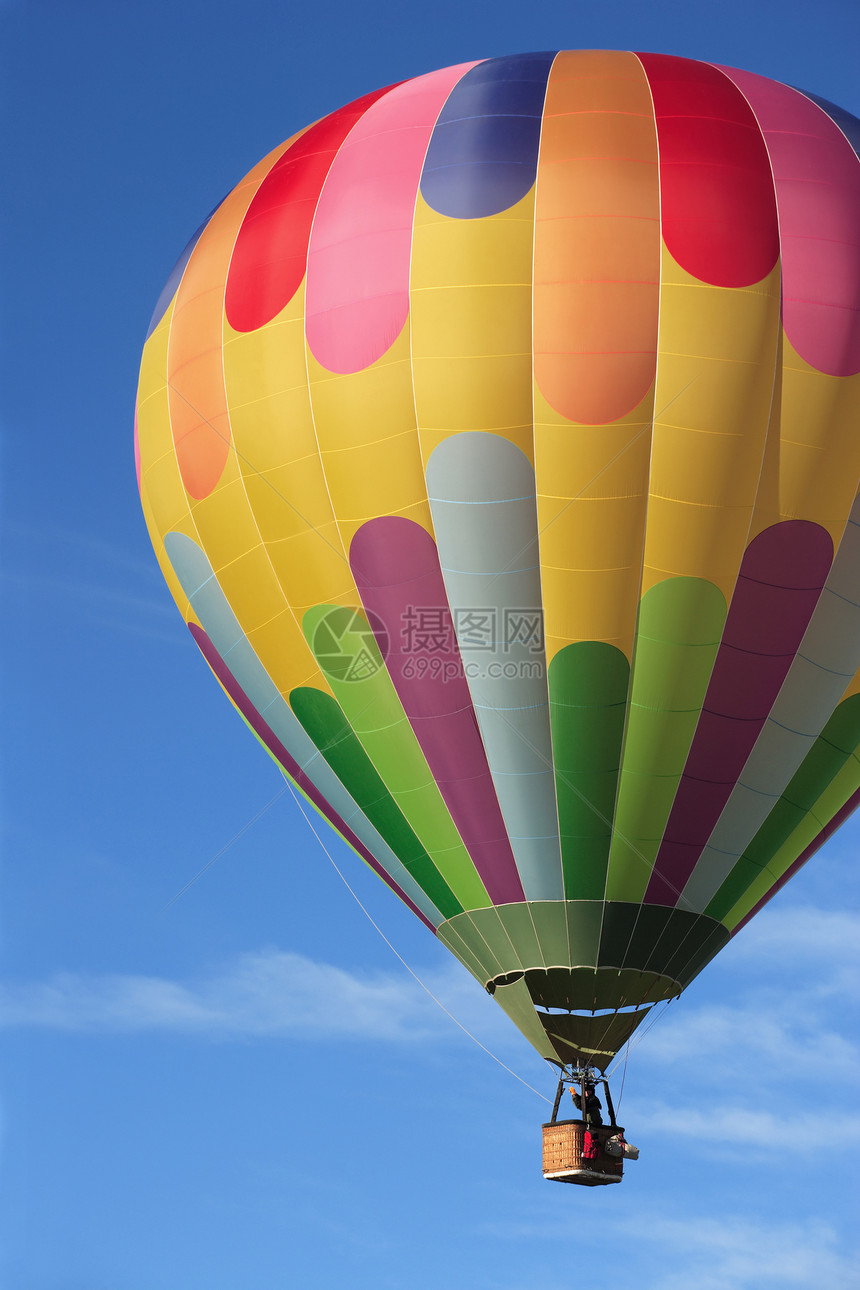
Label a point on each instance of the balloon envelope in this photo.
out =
(498, 439)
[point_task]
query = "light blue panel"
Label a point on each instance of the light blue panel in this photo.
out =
(482, 498)
(195, 573)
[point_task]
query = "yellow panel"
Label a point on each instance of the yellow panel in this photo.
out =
(198, 401)
(309, 562)
(224, 521)
(813, 457)
(471, 313)
(247, 584)
(599, 602)
(592, 484)
(715, 379)
(363, 406)
(289, 500)
(365, 426)
(273, 427)
(480, 321)
(164, 493)
(165, 505)
(281, 645)
(369, 481)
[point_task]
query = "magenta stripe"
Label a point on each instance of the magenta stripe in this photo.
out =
(781, 577)
(274, 745)
(396, 569)
(816, 175)
(826, 833)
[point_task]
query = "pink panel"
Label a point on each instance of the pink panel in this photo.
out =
(817, 179)
(358, 261)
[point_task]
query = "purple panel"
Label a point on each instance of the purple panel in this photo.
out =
(483, 153)
(277, 749)
(781, 577)
(827, 832)
(396, 569)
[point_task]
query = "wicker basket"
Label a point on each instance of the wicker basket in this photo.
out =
(562, 1154)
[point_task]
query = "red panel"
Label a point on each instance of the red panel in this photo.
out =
(271, 250)
(718, 207)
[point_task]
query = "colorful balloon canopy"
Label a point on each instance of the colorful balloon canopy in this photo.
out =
(499, 440)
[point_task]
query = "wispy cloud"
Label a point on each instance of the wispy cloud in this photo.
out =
(804, 938)
(265, 993)
(727, 1252)
(735, 1253)
(767, 1031)
(765, 1133)
(790, 987)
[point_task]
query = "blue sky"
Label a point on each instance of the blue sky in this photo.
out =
(243, 1086)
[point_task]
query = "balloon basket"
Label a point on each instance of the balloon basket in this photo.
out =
(563, 1141)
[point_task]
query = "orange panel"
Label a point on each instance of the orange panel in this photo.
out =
(597, 238)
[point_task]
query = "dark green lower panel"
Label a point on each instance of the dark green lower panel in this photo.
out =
(584, 954)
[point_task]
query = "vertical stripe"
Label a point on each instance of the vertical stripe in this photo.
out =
(597, 239)
(374, 711)
(780, 581)
(360, 243)
(397, 573)
(816, 175)
(482, 497)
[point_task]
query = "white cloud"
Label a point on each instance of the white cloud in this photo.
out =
(788, 989)
(801, 940)
(763, 1132)
(735, 1253)
(268, 992)
(769, 1031)
(726, 1252)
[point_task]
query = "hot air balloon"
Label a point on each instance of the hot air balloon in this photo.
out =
(498, 437)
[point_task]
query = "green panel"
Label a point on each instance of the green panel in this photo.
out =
(506, 951)
(685, 969)
(647, 952)
(619, 920)
(825, 759)
(831, 801)
(550, 920)
(373, 709)
(453, 941)
(518, 923)
(588, 684)
(463, 930)
(646, 936)
(654, 939)
(590, 989)
(325, 723)
(584, 921)
(678, 634)
(516, 1001)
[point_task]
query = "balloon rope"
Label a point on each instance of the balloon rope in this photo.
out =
(226, 847)
(425, 988)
